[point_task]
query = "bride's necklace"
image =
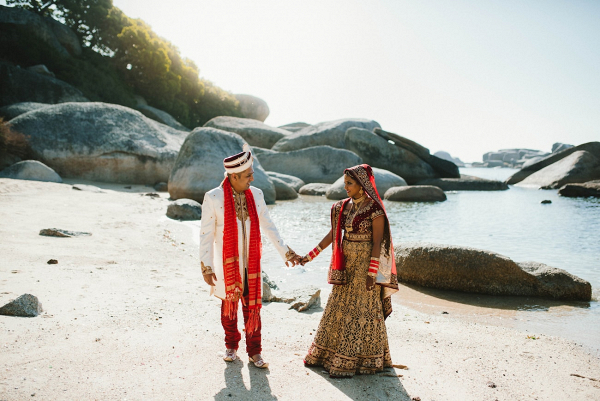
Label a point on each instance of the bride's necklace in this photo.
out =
(356, 205)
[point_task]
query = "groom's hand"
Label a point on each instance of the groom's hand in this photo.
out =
(210, 279)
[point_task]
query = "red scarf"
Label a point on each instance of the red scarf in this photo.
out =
(337, 258)
(231, 264)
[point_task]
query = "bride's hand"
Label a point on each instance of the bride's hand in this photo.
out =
(304, 261)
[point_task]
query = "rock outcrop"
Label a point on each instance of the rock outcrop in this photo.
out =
(254, 132)
(315, 189)
(443, 168)
(161, 116)
(510, 157)
(526, 171)
(416, 193)
(253, 107)
(283, 191)
(294, 127)
(19, 85)
(446, 156)
(587, 189)
(558, 147)
(31, 170)
(14, 110)
(316, 164)
(379, 152)
(16, 22)
(329, 133)
(184, 209)
(199, 165)
(384, 180)
(464, 269)
(292, 181)
(580, 166)
(101, 142)
(465, 183)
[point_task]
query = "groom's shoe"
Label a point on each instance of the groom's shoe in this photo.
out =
(230, 355)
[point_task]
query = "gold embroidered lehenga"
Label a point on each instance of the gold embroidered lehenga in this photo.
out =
(352, 337)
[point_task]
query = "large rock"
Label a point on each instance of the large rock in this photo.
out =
(14, 110)
(316, 164)
(417, 193)
(384, 180)
(294, 127)
(199, 165)
(253, 107)
(465, 183)
(184, 209)
(314, 189)
(254, 132)
(31, 170)
(26, 305)
(19, 85)
(283, 190)
(379, 152)
(161, 116)
(580, 166)
(292, 181)
(443, 168)
(446, 156)
(587, 189)
(16, 22)
(450, 267)
(329, 133)
(101, 142)
(526, 171)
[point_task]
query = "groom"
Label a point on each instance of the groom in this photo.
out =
(233, 217)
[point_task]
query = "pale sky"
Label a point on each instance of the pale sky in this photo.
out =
(462, 76)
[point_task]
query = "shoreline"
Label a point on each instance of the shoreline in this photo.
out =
(127, 315)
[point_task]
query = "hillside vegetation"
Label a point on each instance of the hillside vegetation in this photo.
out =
(121, 57)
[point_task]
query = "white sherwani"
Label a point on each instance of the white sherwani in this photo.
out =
(211, 235)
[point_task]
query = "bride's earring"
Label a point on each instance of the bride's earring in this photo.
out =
(361, 192)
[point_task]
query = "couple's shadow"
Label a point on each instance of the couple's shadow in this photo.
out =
(235, 389)
(382, 386)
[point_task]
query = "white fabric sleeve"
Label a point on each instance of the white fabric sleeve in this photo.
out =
(208, 228)
(268, 227)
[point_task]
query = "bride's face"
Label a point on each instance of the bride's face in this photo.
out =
(352, 187)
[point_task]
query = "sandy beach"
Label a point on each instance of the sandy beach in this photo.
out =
(128, 316)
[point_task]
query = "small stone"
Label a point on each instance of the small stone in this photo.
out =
(546, 202)
(444, 313)
(57, 232)
(152, 195)
(52, 262)
(127, 187)
(87, 188)
(491, 384)
(26, 305)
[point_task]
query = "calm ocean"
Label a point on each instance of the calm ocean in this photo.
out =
(563, 234)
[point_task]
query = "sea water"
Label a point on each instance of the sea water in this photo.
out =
(563, 234)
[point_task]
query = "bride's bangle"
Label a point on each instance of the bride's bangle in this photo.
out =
(373, 267)
(314, 253)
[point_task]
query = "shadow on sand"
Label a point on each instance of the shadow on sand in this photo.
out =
(506, 302)
(382, 386)
(235, 389)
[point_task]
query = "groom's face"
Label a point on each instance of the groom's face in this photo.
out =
(241, 182)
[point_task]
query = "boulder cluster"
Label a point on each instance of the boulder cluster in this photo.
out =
(574, 171)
